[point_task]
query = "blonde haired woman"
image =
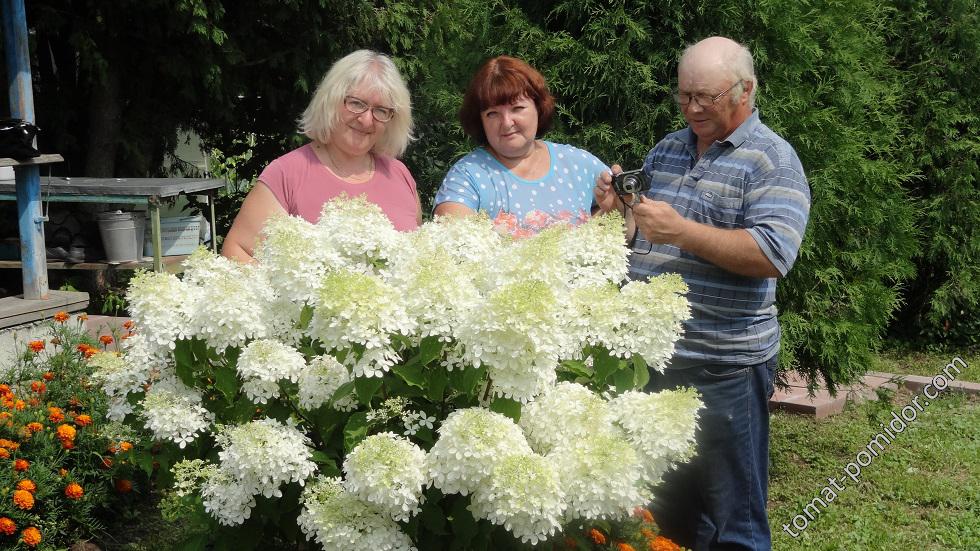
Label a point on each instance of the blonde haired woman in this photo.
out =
(359, 120)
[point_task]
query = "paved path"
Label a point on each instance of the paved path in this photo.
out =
(796, 397)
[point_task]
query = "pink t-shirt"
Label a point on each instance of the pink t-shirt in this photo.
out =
(302, 184)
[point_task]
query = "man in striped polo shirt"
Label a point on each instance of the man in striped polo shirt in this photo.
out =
(727, 210)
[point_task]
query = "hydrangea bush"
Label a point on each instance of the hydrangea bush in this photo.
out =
(361, 388)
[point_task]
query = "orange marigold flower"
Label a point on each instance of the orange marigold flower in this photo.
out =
(66, 432)
(128, 324)
(36, 345)
(55, 415)
(124, 486)
(106, 463)
(10, 444)
(38, 386)
(34, 426)
(4, 390)
(597, 536)
(34, 402)
(19, 405)
(67, 444)
(4, 454)
(83, 420)
(112, 449)
(106, 339)
(23, 499)
(661, 543)
(7, 526)
(61, 317)
(31, 536)
(62, 472)
(125, 446)
(643, 513)
(48, 376)
(623, 546)
(74, 491)
(21, 465)
(647, 533)
(27, 485)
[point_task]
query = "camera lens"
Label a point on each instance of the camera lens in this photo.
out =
(631, 184)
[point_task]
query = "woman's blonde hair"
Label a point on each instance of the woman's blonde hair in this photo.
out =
(379, 73)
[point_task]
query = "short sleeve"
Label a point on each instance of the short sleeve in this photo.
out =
(274, 178)
(776, 210)
(459, 186)
(406, 175)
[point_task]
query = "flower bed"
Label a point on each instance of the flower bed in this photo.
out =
(367, 389)
(62, 467)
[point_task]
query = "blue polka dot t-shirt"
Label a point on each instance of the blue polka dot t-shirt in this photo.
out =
(481, 182)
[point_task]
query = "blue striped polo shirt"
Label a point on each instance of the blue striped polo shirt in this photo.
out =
(752, 180)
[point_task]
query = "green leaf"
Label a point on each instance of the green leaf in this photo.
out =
(412, 373)
(342, 391)
(184, 362)
(508, 407)
(577, 368)
(200, 350)
(604, 365)
(305, 316)
(641, 373)
(366, 388)
(463, 524)
(466, 380)
(433, 518)
(355, 431)
(226, 381)
(144, 460)
(435, 382)
(623, 379)
(325, 464)
(429, 349)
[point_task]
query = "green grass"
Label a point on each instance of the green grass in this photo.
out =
(921, 492)
(927, 363)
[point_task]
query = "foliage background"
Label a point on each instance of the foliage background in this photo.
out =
(878, 98)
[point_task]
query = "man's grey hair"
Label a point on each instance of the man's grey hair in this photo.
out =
(742, 67)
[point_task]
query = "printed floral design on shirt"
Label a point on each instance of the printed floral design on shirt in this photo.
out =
(535, 221)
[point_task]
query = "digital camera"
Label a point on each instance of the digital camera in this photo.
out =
(630, 181)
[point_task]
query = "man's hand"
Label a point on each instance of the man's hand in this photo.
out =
(604, 194)
(659, 222)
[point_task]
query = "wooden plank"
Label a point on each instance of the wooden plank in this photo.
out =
(122, 187)
(43, 159)
(170, 263)
(18, 310)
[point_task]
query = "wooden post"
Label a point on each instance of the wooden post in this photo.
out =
(30, 221)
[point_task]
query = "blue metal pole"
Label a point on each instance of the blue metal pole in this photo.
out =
(30, 221)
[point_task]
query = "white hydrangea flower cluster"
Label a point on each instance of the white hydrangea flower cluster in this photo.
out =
(115, 374)
(601, 475)
(320, 380)
(414, 421)
(594, 253)
(360, 309)
(339, 521)
(386, 470)
(291, 252)
(225, 499)
(264, 454)
(467, 239)
(567, 412)
(470, 441)
(162, 307)
(263, 363)
(359, 234)
(524, 494)
(241, 314)
(173, 411)
(659, 426)
(518, 334)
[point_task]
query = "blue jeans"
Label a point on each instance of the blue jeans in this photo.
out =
(717, 501)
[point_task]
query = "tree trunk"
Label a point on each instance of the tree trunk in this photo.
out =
(105, 123)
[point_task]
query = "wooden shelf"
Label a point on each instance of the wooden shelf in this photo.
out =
(170, 264)
(43, 159)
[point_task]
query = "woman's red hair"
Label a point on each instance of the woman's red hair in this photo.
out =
(503, 80)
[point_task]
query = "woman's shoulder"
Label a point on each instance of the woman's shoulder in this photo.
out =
(564, 150)
(301, 156)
